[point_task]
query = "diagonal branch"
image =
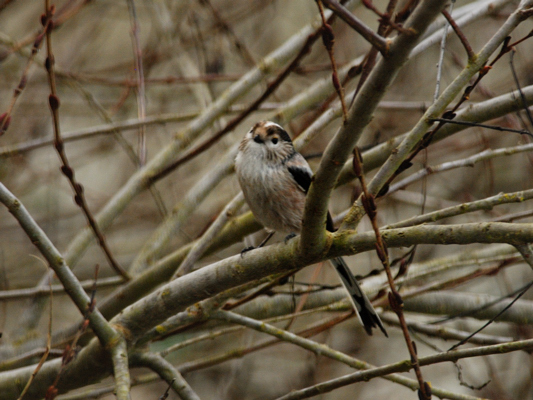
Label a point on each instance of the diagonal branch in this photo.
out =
(459, 34)
(56, 261)
(313, 231)
(417, 133)
(66, 169)
(359, 26)
(166, 371)
(233, 271)
(326, 351)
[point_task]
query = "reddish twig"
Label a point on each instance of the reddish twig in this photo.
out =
(5, 118)
(395, 299)
(384, 18)
(329, 41)
(459, 34)
(66, 169)
(384, 30)
(448, 116)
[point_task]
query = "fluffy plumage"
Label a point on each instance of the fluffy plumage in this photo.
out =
(275, 179)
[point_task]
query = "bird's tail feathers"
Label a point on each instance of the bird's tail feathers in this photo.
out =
(366, 313)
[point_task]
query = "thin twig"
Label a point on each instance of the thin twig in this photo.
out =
(519, 87)
(15, 294)
(441, 56)
(48, 342)
(67, 170)
(447, 333)
(141, 102)
(203, 243)
(385, 18)
(459, 33)
(228, 30)
(465, 162)
(490, 321)
(476, 124)
(359, 26)
(272, 86)
(328, 39)
(395, 299)
(5, 118)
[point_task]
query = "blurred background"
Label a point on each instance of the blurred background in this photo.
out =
(192, 52)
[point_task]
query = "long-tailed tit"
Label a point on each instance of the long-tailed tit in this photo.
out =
(275, 178)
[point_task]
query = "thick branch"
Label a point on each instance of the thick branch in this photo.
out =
(339, 149)
(413, 138)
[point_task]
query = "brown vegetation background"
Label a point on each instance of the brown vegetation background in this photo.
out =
(192, 54)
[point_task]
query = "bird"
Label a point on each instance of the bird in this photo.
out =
(274, 179)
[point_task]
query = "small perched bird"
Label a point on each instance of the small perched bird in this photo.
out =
(275, 179)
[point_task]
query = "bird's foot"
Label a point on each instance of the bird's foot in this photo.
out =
(289, 237)
(246, 250)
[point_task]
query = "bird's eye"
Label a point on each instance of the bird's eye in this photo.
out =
(275, 140)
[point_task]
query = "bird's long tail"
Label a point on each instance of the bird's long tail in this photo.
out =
(366, 313)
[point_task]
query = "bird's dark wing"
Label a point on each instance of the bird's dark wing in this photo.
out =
(301, 176)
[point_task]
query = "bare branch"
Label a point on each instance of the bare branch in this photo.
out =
(375, 40)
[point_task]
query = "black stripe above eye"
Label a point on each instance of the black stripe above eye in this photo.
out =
(283, 135)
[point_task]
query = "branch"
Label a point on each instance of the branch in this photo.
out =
(201, 245)
(478, 306)
(182, 211)
(483, 204)
(323, 350)
(313, 232)
(476, 125)
(66, 169)
(131, 124)
(415, 136)
(39, 291)
(526, 252)
(56, 261)
(119, 355)
(141, 101)
(484, 111)
(449, 356)
(368, 34)
(166, 371)
(234, 271)
(103, 330)
(465, 162)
